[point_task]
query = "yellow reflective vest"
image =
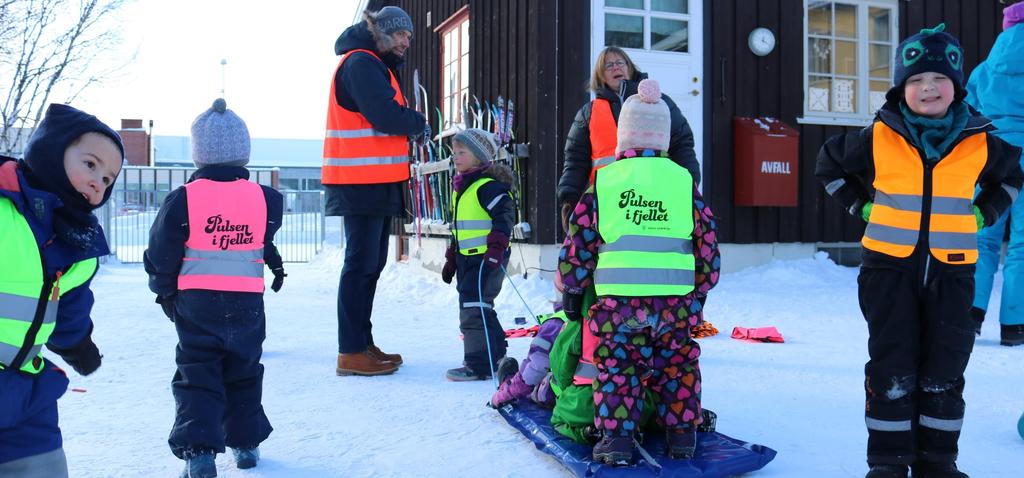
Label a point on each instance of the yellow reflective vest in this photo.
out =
(472, 223)
(28, 299)
(645, 216)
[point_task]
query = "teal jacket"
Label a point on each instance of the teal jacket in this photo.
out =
(996, 86)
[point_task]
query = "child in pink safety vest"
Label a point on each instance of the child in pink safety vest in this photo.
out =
(207, 251)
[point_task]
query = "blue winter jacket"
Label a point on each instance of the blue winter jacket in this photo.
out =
(363, 85)
(996, 86)
(24, 430)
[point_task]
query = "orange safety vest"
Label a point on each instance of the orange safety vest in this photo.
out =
(894, 226)
(603, 136)
(354, 152)
(227, 224)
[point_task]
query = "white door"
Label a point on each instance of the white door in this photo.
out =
(665, 40)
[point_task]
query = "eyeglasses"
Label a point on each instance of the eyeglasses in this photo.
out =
(614, 64)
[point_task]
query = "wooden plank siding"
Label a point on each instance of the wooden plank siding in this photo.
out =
(534, 52)
(537, 52)
(773, 86)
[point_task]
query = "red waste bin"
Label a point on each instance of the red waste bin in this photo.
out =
(765, 162)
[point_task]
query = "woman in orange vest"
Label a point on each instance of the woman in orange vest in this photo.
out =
(366, 164)
(590, 144)
(911, 175)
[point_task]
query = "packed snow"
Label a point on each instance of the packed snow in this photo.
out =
(803, 397)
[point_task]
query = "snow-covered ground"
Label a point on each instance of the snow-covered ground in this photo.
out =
(803, 398)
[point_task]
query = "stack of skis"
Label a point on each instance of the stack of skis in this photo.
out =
(431, 168)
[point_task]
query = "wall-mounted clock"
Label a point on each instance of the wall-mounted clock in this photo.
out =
(761, 41)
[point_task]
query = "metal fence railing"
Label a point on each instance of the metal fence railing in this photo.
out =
(140, 191)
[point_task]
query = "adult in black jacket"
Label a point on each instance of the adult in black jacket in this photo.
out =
(363, 85)
(615, 77)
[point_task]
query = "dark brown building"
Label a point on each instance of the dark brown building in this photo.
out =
(818, 66)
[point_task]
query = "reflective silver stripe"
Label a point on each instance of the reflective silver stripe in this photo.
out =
(648, 244)
(1012, 191)
(472, 242)
(892, 235)
(494, 202)
(953, 240)
(50, 316)
(639, 275)
(18, 307)
(354, 133)
(943, 424)
(888, 425)
(253, 255)
(903, 202)
(834, 186)
(603, 161)
(8, 352)
(948, 205)
(476, 224)
(466, 305)
(222, 268)
(366, 161)
(586, 370)
(541, 343)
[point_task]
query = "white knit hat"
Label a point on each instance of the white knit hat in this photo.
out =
(644, 122)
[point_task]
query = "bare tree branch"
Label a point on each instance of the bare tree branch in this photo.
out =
(47, 47)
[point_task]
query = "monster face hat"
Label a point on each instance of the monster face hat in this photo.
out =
(930, 50)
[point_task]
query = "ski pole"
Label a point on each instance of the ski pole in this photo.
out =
(483, 318)
(517, 292)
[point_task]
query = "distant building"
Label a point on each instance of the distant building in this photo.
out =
(298, 159)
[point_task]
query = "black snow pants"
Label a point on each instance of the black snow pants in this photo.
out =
(366, 254)
(471, 324)
(920, 337)
(218, 387)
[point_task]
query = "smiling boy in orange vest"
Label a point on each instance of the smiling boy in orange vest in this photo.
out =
(911, 175)
(207, 250)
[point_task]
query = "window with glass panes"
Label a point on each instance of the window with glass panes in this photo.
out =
(658, 25)
(454, 67)
(849, 55)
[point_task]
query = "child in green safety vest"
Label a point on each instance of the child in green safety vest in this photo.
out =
(50, 243)
(483, 214)
(644, 239)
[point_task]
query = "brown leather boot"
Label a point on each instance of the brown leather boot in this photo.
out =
(378, 354)
(363, 363)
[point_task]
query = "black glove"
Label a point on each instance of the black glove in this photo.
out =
(567, 209)
(572, 305)
(84, 357)
(425, 135)
(279, 276)
(448, 271)
(167, 304)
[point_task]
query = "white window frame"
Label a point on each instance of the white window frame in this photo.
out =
(453, 25)
(863, 102)
(646, 13)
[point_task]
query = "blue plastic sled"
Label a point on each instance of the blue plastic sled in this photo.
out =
(717, 455)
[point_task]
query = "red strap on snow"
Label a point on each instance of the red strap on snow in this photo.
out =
(517, 333)
(757, 334)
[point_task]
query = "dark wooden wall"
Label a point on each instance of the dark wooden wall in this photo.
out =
(773, 86)
(534, 52)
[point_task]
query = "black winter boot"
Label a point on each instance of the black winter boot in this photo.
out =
(924, 469)
(682, 443)
(1011, 335)
(507, 367)
(200, 466)
(887, 471)
(614, 450)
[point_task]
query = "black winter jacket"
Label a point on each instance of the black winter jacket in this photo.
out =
(170, 230)
(576, 169)
(363, 85)
(846, 166)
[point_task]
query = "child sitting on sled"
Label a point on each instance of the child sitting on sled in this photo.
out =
(650, 257)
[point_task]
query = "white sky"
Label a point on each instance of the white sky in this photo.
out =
(279, 64)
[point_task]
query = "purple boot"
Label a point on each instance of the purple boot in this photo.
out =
(542, 394)
(510, 390)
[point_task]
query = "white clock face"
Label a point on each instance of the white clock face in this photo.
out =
(761, 41)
